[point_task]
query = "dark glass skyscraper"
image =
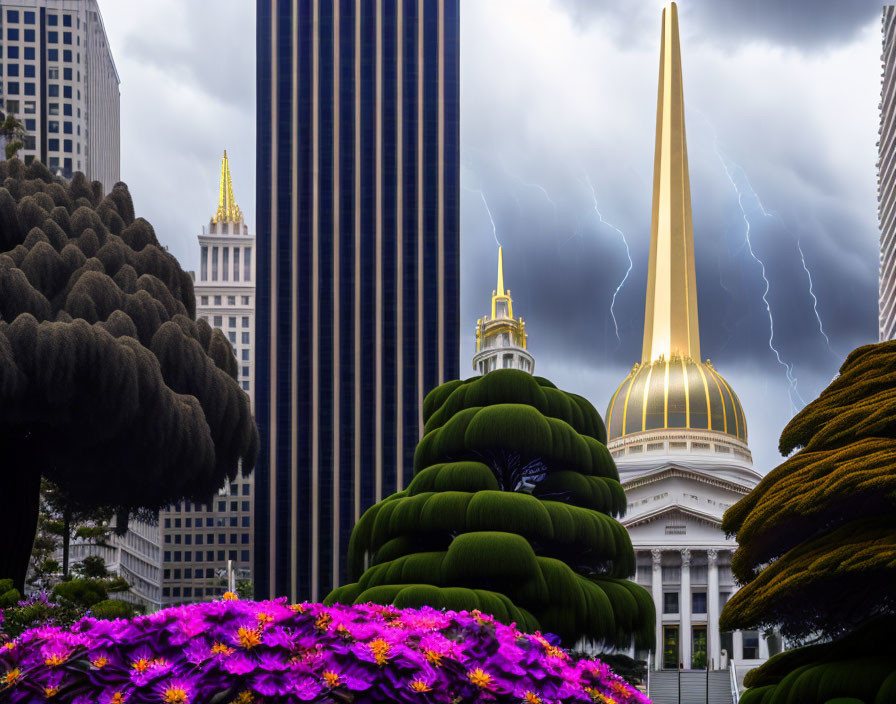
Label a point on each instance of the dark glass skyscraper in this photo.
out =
(358, 280)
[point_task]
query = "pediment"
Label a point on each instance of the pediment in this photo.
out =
(676, 526)
(685, 514)
(671, 470)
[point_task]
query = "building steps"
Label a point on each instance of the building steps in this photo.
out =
(664, 687)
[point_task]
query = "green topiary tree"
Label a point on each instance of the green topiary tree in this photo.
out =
(817, 544)
(511, 512)
(108, 385)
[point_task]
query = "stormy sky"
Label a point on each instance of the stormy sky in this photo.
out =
(558, 109)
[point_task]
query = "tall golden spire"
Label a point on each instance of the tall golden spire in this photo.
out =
(670, 318)
(228, 210)
(502, 304)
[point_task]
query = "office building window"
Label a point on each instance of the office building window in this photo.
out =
(29, 17)
(67, 110)
(226, 264)
(245, 300)
(53, 20)
(217, 300)
(12, 52)
(29, 35)
(245, 355)
(246, 489)
(52, 54)
(30, 124)
(218, 323)
(231, 300)
(29, 89)
(236, 263)
(30, 107)
(67, 56)
(67, 146)
(247, 258)
(214, 263)
(29, 53)
(53, 146)
(245, 338)
(53, 90)
(67, 74)
(12, 16)
(203, 271)
(12, 34)
(66, 20)
(12, 70)
(203, 300)
(245, 371)
(12, 87)
(66, 37)
(67, 92)
(231, 321)
(53, 109)
(29, 70)
(53, 37)
(670, 602)
(232, 337)
(53, 126)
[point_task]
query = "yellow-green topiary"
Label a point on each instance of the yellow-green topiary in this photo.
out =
(817, 544)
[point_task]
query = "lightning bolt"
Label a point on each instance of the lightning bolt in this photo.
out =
(487, 210)
(628, 254)
(814, 298)
(788, 368)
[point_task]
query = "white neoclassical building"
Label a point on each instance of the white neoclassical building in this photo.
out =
(676, 428)
(501, 339)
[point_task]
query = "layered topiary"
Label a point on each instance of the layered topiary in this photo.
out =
(233, 652)
(817, 544)
(108, 385)
(511, 512)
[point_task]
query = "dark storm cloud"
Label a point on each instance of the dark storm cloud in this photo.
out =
(803, 24)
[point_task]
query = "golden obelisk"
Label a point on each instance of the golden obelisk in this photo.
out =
(670, 318)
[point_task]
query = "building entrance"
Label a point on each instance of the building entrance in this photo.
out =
(670, 648)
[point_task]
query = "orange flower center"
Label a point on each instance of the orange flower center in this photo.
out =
(263, 618)
(419, 686)
(249, 637)
(244, 697)
(380, 650)
(117, 698)
(479, 677)
(323, 622)
(331, 678)
(433, 657)
(100, 662)
(230, 596)
(141, 665)
(175, 695)
(55, 659)
(50, 692)
(221, 649)
(10, 645)
(531, 698)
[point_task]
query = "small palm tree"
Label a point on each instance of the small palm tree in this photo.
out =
(14, 132)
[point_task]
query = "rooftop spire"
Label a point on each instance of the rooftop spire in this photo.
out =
(500, 289)
(670, 318)
(228, 210)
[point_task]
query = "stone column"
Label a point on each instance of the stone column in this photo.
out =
(763, 646)
(684, 609)
(656, 584)
(737, 640)
(713, 650)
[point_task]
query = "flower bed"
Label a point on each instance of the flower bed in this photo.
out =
(245, 652)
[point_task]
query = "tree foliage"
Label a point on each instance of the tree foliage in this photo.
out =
(108, 385)
(510, 511)
(817, 543)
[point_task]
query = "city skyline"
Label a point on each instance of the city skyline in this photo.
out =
(764, 79)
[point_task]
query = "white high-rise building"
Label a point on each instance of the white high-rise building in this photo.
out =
(59, 79)
(886, 178)
(200, 540)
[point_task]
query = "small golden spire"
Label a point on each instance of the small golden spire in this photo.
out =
(500, 271)
(228, 210)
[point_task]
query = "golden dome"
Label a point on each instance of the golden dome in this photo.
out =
(675, 393)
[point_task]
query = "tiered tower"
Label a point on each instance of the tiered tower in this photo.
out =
(676, 428)
(501, 339)
(203, 544)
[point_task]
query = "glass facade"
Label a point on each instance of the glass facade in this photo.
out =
(358, 299)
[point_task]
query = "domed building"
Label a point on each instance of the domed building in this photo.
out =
(675, 426)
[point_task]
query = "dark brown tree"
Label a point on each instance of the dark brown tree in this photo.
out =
(109, 387)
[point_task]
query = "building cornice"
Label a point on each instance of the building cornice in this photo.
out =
(699, 516)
